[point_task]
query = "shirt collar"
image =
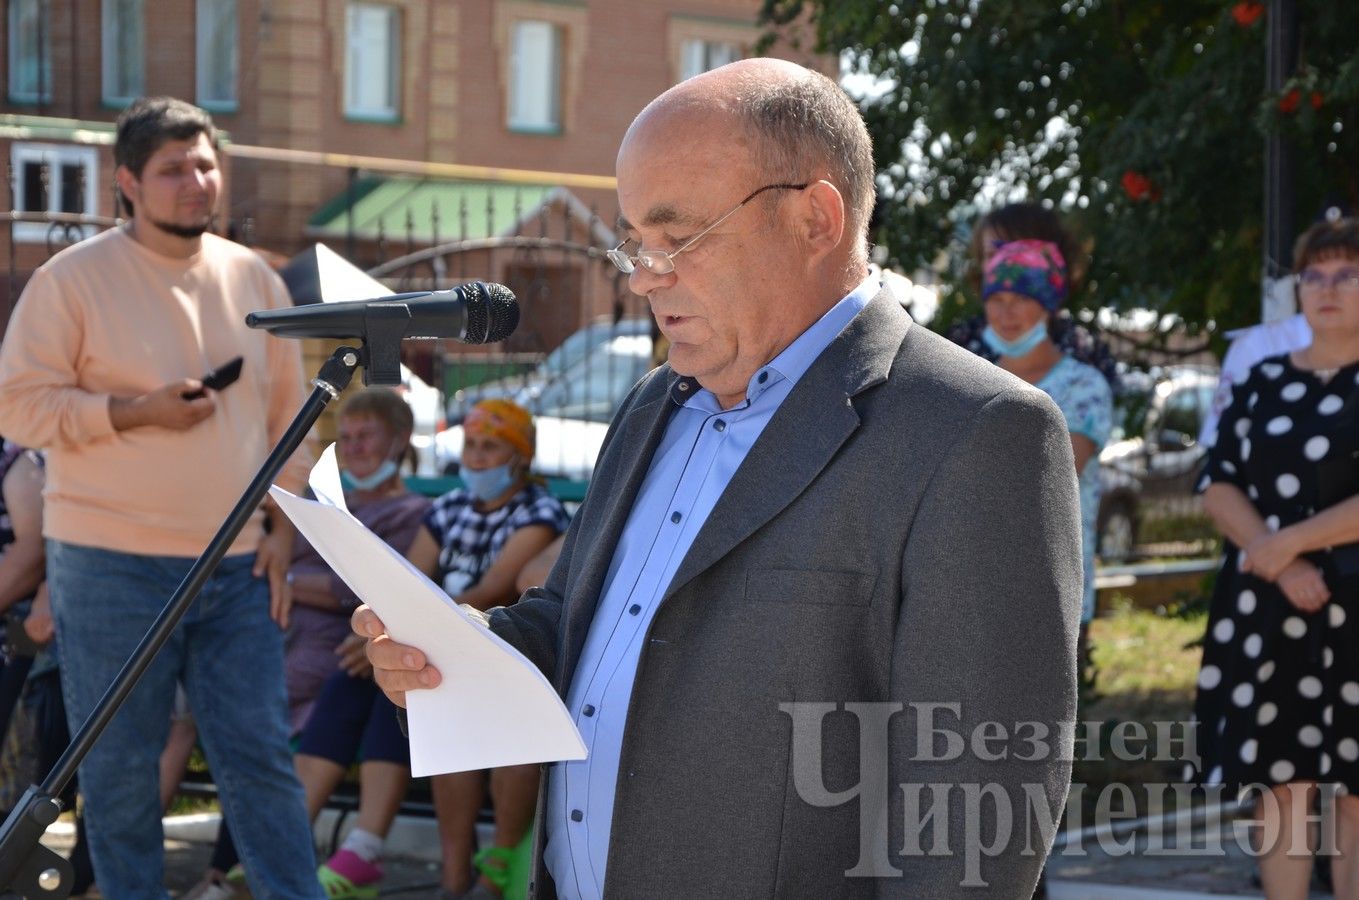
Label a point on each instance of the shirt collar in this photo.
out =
(795, 359)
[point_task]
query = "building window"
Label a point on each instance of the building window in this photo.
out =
(698, 56)
(697, 44)
(535, 77)
(52, 178)
(372, 68)
(123, 54)
(30, 51)
(216, 23)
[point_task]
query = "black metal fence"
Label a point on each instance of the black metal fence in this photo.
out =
(47, 203)
(583, 338)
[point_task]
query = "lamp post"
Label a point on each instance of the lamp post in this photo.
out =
(1280, 200)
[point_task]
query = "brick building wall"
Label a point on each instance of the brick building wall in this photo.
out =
(453, 71)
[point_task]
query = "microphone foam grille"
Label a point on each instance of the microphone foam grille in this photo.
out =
(474, 313)
(501, 311)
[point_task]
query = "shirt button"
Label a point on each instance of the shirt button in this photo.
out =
(763, 377)
(634, 609)
(588, 710)
(720, 425)
(675, 517)
(577, 815)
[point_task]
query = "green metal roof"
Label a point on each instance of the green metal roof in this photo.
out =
(55, 128)
(383, 203)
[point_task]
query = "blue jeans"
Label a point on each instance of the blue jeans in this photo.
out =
(229, 655)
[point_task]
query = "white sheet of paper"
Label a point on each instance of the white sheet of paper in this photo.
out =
(493, 707)
(324, 480)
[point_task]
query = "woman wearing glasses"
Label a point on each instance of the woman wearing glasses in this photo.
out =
(1278, 701)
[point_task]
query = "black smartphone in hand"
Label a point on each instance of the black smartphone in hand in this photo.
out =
(219, 378)
(17, 642)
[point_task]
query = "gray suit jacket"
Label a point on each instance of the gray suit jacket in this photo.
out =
(905, 531)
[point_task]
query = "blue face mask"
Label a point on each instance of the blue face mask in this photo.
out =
(488, 484)
(1020, 346)
(352, 482)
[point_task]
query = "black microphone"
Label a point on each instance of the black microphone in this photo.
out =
(474, 313)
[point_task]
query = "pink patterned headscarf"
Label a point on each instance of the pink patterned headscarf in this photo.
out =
(1033, 269)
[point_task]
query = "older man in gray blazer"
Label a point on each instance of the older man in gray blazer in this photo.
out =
(816, 617)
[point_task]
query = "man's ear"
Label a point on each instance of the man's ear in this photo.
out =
(821, 224)
(129, 187)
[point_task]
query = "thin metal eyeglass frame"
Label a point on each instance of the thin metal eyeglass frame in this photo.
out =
(1347, 284)
(661, 262)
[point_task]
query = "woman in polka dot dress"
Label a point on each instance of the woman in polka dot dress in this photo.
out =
(1278, 701)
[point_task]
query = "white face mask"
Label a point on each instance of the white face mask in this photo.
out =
(1020, 346)
(487, 484)
(379, 475)
(385, 470)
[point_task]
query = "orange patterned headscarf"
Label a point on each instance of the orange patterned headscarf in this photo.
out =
(503, 419)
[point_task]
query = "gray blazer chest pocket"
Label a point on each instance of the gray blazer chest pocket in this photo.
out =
(812, 586)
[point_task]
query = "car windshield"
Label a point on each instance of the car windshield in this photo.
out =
(594, 387)
(1177, 399)
(1185, 409)
(580, 343)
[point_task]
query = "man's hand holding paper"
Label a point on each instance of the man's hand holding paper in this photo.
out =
(397, 668)
(496, 709)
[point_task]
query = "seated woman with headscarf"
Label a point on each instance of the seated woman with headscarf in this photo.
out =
(474, 541)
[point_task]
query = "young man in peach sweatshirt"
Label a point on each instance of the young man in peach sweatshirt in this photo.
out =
(98, 367)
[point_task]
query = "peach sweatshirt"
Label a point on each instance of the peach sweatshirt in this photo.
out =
(110, 317)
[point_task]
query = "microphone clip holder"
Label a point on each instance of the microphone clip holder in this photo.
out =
(381, 347)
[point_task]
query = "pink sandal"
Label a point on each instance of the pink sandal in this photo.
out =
(348, 876)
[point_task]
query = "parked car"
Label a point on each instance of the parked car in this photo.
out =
(523, 388)
(572, 410)
(1148, 468)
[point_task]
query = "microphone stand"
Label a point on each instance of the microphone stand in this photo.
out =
(27, 868)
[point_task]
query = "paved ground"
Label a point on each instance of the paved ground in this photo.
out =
(1110, 869)
(186, 860)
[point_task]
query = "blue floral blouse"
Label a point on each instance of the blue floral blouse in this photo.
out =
(1084, 397)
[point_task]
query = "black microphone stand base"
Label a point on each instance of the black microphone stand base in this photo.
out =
(27, 868)
(41, 872)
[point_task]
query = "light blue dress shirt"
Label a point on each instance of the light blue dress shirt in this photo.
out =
(702, 448)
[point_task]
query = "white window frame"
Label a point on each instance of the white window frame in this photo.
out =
(699, 55)
(534, 101)
(21, 52)
(372, 55)
(122, 23)
(216, 20)
(55, 155)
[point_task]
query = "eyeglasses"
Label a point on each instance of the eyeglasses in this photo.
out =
(1345, 283)
(659, 262)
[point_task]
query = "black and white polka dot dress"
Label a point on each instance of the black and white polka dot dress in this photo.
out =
(1278, 691)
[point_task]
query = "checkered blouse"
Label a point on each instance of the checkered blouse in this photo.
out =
(470, 540)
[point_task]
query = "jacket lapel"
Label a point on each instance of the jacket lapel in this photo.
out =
(629, 455)
(803, 436)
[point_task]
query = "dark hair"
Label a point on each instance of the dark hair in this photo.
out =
(1026, 222)
(151, 121)
(809, 123)
(1327, 239)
